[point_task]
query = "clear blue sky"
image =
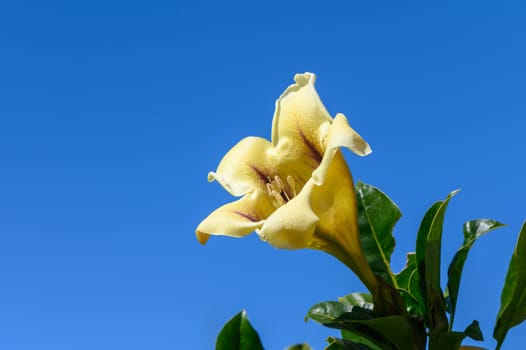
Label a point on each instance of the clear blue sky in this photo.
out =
(112, 113)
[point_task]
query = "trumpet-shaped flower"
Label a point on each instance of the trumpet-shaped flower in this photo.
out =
(296, 191)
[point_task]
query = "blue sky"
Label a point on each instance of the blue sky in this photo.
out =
(112, 114)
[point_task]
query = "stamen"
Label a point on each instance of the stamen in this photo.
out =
(279, 192)
(292, 185)
(282, 188)
(269, 189)
(279, 182)
(279, 198)
(270, 193)
(274, 185)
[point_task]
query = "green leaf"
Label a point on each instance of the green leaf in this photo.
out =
(362, 300)
(421, 241)
(377, 215)
(360, 321)
(361, 335)
(428, 251)
(357, 333)
(409, 285)
(329, 313)
(472, 230)
(238, 334)
(513, 298)
(393, 328)
(450, 340)
(473, 331)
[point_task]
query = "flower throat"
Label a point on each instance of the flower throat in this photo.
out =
(279, 191)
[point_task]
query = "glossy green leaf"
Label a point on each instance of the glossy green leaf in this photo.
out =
(238, 334)
(473, 331)
(377, 215)
(363, 336)
(450, 340)
(362, 300)
(513, 298)
(360, 322)
(472, 230)
(341, 314)
(409, 285)
(421, 239)
(329, 313)
(428, 251)
(360, 334)
(394, 328)
(420, 254)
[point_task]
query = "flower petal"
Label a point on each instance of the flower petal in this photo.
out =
(245, 167)
(339, 134)
(297, 119)
(292, 225)
(337, 233)
(342, 135)
(235, 219)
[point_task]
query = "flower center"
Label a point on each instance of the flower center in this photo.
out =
(279, 191)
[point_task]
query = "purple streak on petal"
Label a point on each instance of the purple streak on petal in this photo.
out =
(264, 177)
(247, 216)
(314, 153)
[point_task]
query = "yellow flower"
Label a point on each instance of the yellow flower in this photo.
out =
(296, 191)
